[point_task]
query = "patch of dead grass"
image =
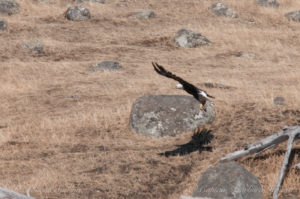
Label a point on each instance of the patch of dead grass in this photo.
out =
(66, 130)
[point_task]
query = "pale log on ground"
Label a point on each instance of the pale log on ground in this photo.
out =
(288, 132)
(6, 193)
(296, 166)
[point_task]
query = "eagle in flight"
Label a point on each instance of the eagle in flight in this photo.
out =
(199, 94)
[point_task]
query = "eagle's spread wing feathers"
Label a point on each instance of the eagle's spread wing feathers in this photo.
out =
(199, 94)
(191, 89)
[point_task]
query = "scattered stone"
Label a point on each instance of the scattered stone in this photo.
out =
(248, 55)
(222, 10)
(77, 13)
(216, 85)
(228, 180)
(279, 101)
(168, 115)
(33, 47)
(267, 3)
(3, 24)
(9, 7)
(247, 21)
(106, 65)
(294, 16)
(190, 39)
(122, 4)
(146, 14)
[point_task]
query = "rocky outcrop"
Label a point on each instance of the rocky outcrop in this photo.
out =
(168, 115)
(190, 39)
(106, 65)
(228, 180)
(9, 7)
(77, 13)
(222, 10)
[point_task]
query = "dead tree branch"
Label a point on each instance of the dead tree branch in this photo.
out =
(289, 133)
(6, 193)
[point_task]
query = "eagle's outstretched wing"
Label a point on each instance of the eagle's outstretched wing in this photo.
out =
(190, 88)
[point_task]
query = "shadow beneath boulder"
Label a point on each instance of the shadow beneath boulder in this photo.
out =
(199, 139)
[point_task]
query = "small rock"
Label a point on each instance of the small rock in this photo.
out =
(9, 7)
(247, 21)
(267, 3)
(279, 101)
(294, 16)
(146, 14)
(77, 13)
(122, 4)
(106, 65)
(222, 10)
(190, 39)
(168, 115)
(216, 85)
(33, 47)
(248, 55)
(3, 24)
(228, 180)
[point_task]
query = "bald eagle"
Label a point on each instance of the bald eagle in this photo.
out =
(198, 94)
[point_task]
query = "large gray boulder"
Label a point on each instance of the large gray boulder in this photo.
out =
(294, 16)
(228, 180)
(77, 13)
(267, 3)
(168, 115)
(9, 7)
(222, 10)
(190, 39)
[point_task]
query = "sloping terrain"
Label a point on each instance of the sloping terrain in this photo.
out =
(64, 131)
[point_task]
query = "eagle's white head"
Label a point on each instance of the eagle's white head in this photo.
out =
(203, 93)
(179, 86)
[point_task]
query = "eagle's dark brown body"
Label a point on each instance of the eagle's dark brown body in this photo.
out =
(199, 94)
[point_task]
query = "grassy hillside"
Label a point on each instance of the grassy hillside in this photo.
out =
(65, 131)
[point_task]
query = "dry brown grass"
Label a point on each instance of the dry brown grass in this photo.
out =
(82, 147)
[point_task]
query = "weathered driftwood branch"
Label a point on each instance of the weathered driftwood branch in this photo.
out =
(296, 166)
(6, 193)
(263, 144)
(285, 162)
(288, 132)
